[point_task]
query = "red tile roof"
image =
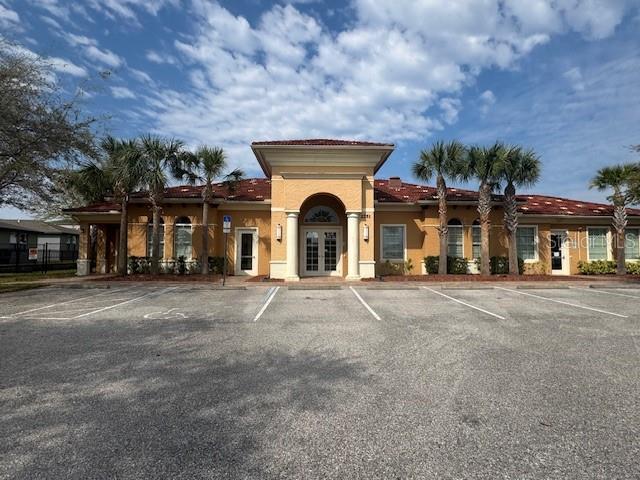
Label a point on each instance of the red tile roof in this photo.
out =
(545, 205)
(103, 207)
(259, 189)
(322, 142)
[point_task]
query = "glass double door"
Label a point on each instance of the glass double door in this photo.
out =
(321, 252)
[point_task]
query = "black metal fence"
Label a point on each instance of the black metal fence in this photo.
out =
(16, 257)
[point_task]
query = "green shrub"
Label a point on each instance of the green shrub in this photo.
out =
(597, 267)
(500, 265)
(395, 268)
(216, 264)
(182, 265)
(633, 268)
(139, 264)
(134, 265)
(194, 267)
(455, 265)
(431, 264)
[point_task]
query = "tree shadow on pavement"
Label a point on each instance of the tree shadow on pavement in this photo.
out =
(104, 400)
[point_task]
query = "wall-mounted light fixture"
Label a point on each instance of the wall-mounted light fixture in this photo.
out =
(365, 232)
(279, 232)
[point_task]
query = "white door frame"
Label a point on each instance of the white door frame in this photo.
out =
(564, 252)
(238, 246)
(303, 251)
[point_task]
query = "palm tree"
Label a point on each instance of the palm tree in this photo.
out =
(205, 165)
(116, 173)
(620, 179)
(161, 159)
(442, 160)
(125, 170)
(484, 165)
(519, 168)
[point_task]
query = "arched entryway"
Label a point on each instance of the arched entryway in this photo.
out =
(322, 236)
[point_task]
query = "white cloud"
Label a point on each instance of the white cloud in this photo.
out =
(160, 58)
(487, 99)
(140, 75)
(450, 108)
(65, 66)
(574, 76)
(9, 19)
(91, 50)
(122, 92)
(396, 73)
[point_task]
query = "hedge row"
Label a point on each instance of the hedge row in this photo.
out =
(458, 266)
(180, 266)
(606, 267)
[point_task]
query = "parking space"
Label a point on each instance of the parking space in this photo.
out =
(361, 382)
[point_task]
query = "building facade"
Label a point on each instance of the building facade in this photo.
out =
(319, 211)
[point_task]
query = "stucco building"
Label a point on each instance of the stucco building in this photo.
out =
(321, 211)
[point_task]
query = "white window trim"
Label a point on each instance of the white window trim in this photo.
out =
(536, 243)
(609, 248)
(404, 239)
(632, 260)
(175, 231)
(473, 227)
(461, 227)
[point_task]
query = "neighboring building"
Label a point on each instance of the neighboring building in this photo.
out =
(31, 242)
(319, 211)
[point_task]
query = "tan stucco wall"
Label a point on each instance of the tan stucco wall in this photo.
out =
(140, 215)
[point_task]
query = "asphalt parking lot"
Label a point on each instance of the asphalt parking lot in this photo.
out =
(357, 382)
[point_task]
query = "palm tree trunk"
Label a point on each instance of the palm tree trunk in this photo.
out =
(620, 224)
(122, 243)
(205, 237)
(511, 227)
(443, 229)
(484, 209)
(155, 238)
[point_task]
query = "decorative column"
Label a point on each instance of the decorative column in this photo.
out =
(101, 249)
(292, 245)
(353, 245)
(84, 250)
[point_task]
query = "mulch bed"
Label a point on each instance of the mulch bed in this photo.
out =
(164, 277)
(505, 278)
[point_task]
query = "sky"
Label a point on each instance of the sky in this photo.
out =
(558, 76)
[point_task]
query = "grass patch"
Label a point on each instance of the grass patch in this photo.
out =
(34, 276)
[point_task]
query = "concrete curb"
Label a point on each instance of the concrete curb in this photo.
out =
(314, 287)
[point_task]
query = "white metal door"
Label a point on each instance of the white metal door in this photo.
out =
(559, 253)
(246, 251)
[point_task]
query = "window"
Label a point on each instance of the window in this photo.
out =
(393, 242)
(527, 242)
(150, 237)
(598, 245)
(455, 247)
(476, 240)
(182, 238)
(631, 244)
(321, 214)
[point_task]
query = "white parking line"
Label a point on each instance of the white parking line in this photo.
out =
(604, 291)
(266, 303)
(563, 302)
(366, 305)
(122, 303)
(465, 303)
(63, 303)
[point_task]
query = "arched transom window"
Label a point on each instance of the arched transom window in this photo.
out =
(182, 238)
(321, 214)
